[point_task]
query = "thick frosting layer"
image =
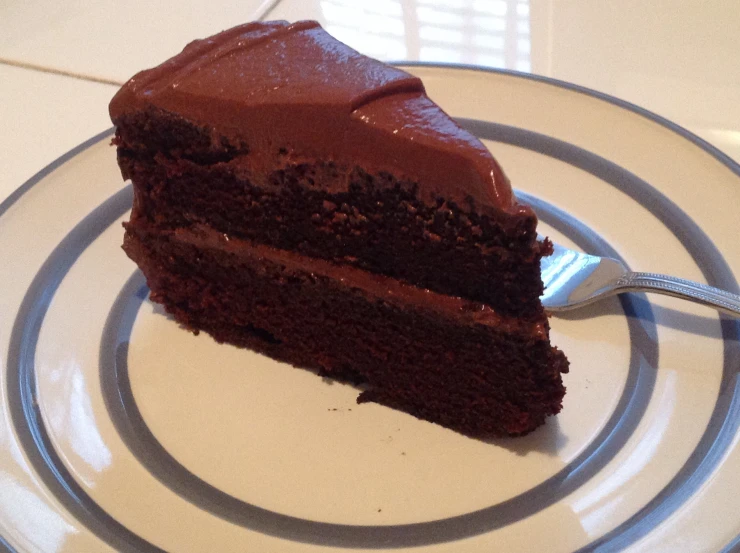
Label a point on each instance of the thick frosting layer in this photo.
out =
(375, 286)
(278, 85)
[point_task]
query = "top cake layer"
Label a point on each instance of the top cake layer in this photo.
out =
(280, 87)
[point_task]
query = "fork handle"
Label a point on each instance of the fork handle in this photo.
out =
(680, 288)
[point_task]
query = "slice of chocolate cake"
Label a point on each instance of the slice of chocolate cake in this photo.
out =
(295, 197)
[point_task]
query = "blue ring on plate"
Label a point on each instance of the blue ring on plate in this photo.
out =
(728, 403)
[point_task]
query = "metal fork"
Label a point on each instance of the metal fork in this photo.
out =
(573, 279)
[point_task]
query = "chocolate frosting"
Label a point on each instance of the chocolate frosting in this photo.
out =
(379, 287)
(277, 85)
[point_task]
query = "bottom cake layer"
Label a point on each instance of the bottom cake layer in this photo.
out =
(438, 358)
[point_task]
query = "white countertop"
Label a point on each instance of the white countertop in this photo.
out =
(677, 58)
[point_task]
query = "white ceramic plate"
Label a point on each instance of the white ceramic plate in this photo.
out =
(120, 431)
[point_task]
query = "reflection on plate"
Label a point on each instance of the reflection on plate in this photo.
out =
(120, 431)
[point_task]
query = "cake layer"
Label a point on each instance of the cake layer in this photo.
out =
(379, 224)
(439, 358)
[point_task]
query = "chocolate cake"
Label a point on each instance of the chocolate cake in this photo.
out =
(295, 197)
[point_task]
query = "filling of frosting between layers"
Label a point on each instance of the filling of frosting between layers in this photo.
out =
(380, 287)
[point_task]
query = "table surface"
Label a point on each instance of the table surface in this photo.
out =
(61, 63)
